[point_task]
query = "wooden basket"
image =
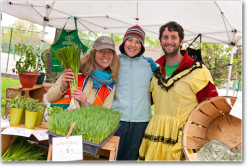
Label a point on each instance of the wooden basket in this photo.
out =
(210, 120)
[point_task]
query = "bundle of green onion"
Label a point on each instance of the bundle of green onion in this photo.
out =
(69, 57)
(94, 123)
(22, 150)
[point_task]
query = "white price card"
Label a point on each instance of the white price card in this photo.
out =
(64, 149)
(17, 131)
(41, 135)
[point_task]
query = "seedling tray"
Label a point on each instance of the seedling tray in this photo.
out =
(88, 147)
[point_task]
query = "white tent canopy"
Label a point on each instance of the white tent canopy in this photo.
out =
(216, 21)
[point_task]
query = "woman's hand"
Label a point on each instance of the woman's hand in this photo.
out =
(67, 77)
(81, 97)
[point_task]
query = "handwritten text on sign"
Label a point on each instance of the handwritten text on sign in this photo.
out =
(64, 149)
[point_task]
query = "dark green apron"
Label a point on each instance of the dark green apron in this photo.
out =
(65, 39)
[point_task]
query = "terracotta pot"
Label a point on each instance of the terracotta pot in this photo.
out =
(28, 80)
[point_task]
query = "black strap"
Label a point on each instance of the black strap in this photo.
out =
(199, 35)
(67, 22)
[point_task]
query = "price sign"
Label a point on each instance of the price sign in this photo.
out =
(64, 149)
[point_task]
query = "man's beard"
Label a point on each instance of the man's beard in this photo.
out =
(173, 53)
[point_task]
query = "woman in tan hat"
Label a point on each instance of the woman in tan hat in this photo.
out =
(132, 96)
(99, 72)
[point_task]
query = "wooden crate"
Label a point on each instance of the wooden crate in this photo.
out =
(211, 120)
(109, 150)
(6, 140)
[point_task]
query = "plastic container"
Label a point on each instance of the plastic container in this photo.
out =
(15, 116)
(88, 147)
(40, 117)
(30, 119)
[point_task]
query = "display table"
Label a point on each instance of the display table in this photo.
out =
(108, 150)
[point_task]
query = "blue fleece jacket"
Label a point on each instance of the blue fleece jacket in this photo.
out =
(132, 96)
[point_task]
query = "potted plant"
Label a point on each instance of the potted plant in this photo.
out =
(26, 65)
(41, 108)
(41, 65)
(17, 107)
(31, 112)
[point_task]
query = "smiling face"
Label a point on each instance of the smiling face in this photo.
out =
(103, 59)
(132, 46)
(170, 42)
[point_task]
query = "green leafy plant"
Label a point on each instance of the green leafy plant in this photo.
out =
(69, 57)
(17, 102)
(31, 105)
(217, 151)
(55, 110)
(41, 106)
(27, 62)
(94, 123)
(41, 62)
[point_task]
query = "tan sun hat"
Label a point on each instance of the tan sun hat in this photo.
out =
(104, 42)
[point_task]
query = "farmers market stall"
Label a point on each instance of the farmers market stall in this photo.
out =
(26, 128)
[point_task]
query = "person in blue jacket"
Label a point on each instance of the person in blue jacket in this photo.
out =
(132, 96)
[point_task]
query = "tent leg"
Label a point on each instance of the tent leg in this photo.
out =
(230, 69)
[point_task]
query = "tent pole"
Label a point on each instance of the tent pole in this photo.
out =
(230, 69)
(42, 37)
(31, 33)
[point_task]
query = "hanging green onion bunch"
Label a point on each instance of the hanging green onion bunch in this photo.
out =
(69, 57)
(94, 123)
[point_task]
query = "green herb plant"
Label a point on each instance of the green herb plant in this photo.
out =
(17, 102)
(41, 106)
(27, 62)
(41, 62)
(94, 123)
(31, 105)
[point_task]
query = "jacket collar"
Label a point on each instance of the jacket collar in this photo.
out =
(185, 62)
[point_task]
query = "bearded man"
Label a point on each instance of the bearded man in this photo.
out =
(178, 85)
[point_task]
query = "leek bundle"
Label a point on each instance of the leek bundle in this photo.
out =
(94, 123)
(69, 57)
(22, 150)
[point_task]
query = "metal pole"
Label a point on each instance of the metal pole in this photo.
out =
(31, 32)
(42, 38)
(9, 50)
(230, 69)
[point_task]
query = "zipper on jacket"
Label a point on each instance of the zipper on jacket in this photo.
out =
(132, 89)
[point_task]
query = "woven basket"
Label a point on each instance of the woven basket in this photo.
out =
(210, 120)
